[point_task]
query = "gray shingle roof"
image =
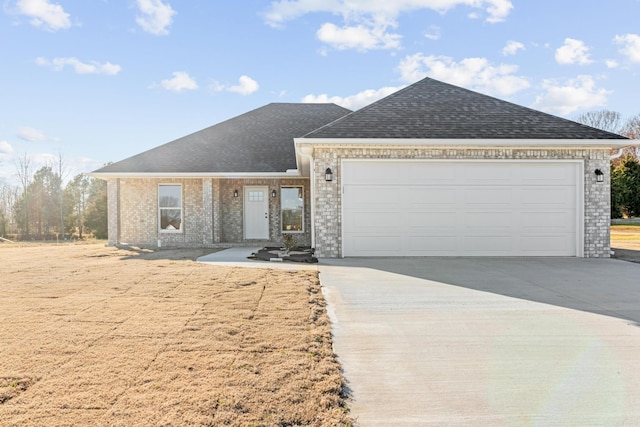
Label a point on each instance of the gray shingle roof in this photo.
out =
(430, 109)
(258, 141)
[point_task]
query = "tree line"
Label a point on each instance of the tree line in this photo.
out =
(42, 207)
(625, 170)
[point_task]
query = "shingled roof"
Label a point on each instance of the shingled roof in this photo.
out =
(260, 141)
(430, 109)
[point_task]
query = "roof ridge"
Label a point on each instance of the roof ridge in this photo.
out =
(430, 108)
(527, 108)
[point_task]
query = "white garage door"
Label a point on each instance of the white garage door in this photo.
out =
(498, 208)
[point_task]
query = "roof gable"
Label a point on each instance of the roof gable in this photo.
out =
(430, 109)
(260, 141)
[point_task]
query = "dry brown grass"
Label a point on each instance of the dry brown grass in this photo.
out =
(625, 242)
(102, 336)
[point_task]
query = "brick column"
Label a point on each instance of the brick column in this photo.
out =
(327, 208)
(113, 210)
(597, 202)
(207, 211)
(215, 210)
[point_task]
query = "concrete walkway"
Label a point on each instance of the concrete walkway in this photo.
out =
(483, 341)
(237, 257)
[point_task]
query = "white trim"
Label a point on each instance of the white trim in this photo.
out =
(267, 195)
(485, 143)
(228, 175)
(312, 192)
(580, 208)
(580, 183)
(301, 187)
(181, 229)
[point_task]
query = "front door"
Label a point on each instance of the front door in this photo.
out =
(256, 213)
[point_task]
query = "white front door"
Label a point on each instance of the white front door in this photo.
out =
(256, 213)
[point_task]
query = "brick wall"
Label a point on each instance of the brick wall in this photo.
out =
(328, 198)
(211, 215)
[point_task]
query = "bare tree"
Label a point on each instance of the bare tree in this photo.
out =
(60, 168)
(8, 195)
(632, 130)
(24, 173)
(610, 121)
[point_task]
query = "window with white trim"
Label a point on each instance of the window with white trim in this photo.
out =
(292, 209)
(170, 208)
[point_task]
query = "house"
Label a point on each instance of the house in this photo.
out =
(431, 170)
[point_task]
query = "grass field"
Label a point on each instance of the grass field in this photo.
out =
(102, 336)
(625, 241)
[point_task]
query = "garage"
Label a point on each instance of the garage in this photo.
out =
(462, 208)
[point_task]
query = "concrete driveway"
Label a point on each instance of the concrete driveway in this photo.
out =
(487, 341)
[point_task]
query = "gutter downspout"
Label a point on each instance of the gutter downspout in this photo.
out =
(617, 156)
(312, 196)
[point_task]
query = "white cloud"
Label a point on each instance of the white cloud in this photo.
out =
(631, 46)
(286, 10)
(366, 22)
(573, 52)
(353, 102)
(6, 148)
(92, 67)
(179, 82)
(246, 86)
(512, 48)
(473, 73)
(155, 16)
(31, 135)
(433, 33)
(358, 37)
(611, 63)
(575, 94)
(44, 14)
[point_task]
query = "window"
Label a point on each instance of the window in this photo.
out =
(170, 208)
(292, 207)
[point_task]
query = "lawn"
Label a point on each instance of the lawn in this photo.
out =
(625, 241)
(93, 335)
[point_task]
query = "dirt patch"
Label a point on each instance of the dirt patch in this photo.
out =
(93, 335)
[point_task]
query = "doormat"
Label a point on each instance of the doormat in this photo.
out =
(277, 254)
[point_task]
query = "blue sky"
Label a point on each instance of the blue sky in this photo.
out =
(101, 80)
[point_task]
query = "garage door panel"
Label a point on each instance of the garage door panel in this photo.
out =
(504, 208)
(413, 173)
(422, 245)
(374, 196)
(379, 245)
(547, 220)
(488, 243)
(481, 175)
(488, 219)
(431, 196)
(562, 196)
(556, 245)
(366, 220)
(548, 174)
(488, 196)
(431, 219)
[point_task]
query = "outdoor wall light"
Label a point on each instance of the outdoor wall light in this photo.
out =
(328, 175)
(235, 193)
(599, 175)
(273, 193)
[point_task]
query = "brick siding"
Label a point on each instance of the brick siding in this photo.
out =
(328, 226)
(211, 216)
